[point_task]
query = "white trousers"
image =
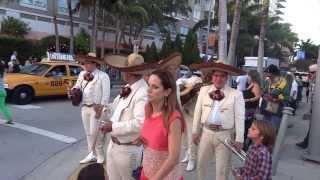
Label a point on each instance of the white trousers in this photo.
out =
(95, 139)
(210, 147)
(122, 160)
(188, 145)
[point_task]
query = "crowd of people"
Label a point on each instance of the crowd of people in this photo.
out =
(14, 65)
(156, 115)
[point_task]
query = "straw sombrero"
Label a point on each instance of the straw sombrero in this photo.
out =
(135, 64)
(207, 67)
(90, 57)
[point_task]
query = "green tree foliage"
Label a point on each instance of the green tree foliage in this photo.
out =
(147, 54)
(178, 45)
(14, 27)
(167, 47)
(310, 49)
(82, 42)
(24, 47)
(48, 44)
(154, 52)
(190, 52)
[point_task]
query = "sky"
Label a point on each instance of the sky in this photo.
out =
(304, 16)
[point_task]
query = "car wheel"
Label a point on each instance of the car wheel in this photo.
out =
(22, 95)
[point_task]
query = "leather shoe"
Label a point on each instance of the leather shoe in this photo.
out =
(89, 158)
(191, 165)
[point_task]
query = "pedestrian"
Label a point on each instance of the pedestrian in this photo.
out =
(188, 95)
(128, 115)
(251, 96)
(258, 164)
(3, 94)
(242, 82)
(275, 95)
(13, 58)
(162, 129)
(95, 87)
(313, 69)
(219, 114)
(294, 91)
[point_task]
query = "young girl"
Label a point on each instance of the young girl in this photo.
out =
(258, 163)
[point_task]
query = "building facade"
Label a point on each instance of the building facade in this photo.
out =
(38, 14)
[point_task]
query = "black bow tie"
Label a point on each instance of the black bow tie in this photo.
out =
(216, 95)
(88, 76)
(125, 91)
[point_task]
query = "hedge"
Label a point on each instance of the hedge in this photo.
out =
(8, 44)
(29, 48)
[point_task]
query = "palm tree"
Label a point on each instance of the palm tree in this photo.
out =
(234, 32)
(263, 27)
(55, 23)
(223, 36)
(91, 4)
(70, 12)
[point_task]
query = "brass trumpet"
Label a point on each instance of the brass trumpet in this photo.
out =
(229, 144)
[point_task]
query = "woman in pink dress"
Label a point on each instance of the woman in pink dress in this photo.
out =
(162, 130)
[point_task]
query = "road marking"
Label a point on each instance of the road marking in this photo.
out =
(26, 107)
(52, 135)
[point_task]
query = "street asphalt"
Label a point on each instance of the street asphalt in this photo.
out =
(41, 130)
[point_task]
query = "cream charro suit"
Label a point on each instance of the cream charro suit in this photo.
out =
(95, 92)
(128, 117)
(231, 111)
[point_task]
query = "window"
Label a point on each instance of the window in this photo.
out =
(27, 16)
(196, 14)
(35, 69)
(75, 70)
(37, 4)
(57, 71)
(63, 6)
(184, 30)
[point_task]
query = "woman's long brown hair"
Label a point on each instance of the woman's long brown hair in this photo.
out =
(167, 81)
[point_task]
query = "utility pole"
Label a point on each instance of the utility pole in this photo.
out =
(313, 153)
(209, 24)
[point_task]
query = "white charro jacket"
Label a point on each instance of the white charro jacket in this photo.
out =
(232, 110)
(128, 113)
(96, 91)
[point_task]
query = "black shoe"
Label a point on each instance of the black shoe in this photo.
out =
(302, 145)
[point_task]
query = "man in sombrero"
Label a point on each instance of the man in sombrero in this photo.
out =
(95, 87)
(127, 117)
(218, 115)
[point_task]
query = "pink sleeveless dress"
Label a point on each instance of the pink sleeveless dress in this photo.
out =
(156, 147)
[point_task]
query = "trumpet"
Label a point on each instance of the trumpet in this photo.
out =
(229, 144)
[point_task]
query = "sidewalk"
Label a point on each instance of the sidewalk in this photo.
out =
(291, 166)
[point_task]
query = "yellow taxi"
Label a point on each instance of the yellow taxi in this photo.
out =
(46, 78)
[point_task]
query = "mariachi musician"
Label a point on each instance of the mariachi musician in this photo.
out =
(218, 115)
(95, 92)
(189, 88)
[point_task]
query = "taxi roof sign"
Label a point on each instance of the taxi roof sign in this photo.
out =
(53, 56)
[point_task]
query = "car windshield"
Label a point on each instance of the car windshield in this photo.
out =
(35, 69)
